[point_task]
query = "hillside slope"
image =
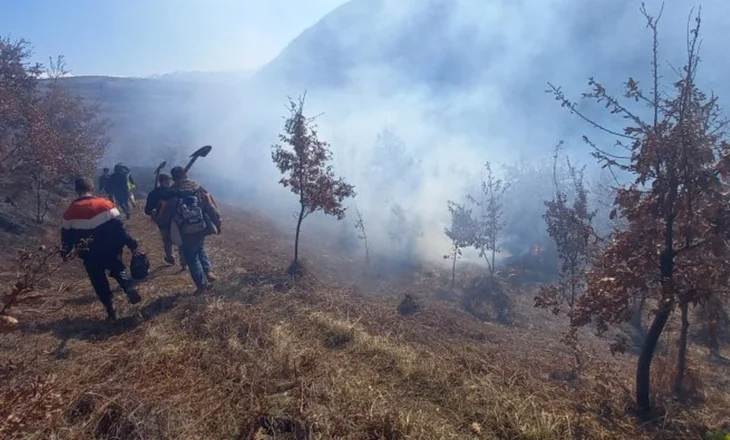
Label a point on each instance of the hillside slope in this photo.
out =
(260, 357)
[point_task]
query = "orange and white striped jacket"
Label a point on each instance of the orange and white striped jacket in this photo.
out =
(96, 220)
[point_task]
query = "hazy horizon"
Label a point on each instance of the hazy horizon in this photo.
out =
(140, 38)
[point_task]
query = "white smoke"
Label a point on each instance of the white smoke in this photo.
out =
(483, 103)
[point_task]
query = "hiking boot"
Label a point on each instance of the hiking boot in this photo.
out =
(170, 260)
(133, 295)
(211, 277)
(111, 315)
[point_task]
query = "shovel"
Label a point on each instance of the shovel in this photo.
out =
(200, 152)
(157, 172)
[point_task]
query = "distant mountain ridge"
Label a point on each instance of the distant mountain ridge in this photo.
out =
(426, 41)
(467, 59)
(230, 77)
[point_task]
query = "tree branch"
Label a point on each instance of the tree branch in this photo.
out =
(565, 102)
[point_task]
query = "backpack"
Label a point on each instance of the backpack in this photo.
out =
(139, 267)
(189, 215)
(119, 180)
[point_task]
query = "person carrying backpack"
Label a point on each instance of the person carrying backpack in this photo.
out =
(192, 215)
(119, 186)
(152, 208)
(92, 225)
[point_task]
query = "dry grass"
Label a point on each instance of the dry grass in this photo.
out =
(261, 357)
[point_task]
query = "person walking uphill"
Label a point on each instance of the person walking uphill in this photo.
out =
(155, 200)
(119, 186)
(96, 221)
(193, 215)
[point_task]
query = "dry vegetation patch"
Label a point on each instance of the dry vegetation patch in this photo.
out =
(263, 357)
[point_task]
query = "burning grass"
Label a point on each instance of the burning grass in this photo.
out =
(262, 358)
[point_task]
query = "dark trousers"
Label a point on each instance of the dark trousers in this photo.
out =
(167, 246)
(197, 259)
(122, 200)
(97, 267)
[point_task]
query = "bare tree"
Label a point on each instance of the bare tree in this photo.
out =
(570, 227)
(362, 235)
(490, 222)
(34, 267)
(462, 233)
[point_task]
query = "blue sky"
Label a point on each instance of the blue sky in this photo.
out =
(146, 37)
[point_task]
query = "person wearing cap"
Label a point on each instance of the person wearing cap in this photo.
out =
(120, 187)
(152, 208)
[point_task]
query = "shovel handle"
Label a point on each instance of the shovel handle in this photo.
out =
(190, 164)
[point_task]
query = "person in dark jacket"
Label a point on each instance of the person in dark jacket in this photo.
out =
(92, 226)
(152, 209)
(119, 186)
(104, 181)
(192, 244)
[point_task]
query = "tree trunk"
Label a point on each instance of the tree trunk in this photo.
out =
(639, 314)
(643, 367)
(453, 268)
(367, 254)
(296, 238)
(666, 305)
(491, 268)
(572, 284)
(682, 354)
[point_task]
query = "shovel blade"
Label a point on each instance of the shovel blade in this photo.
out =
(202, 151)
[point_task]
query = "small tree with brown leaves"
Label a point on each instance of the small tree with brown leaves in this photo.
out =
(46, 134)
(462, 233)
(674, 247)
(68, 138)
(570, 227)
(490, 221)
(307, 172)
(18, 83)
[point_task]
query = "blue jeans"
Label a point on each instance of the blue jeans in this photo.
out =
(204, 259)
(198, 261)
